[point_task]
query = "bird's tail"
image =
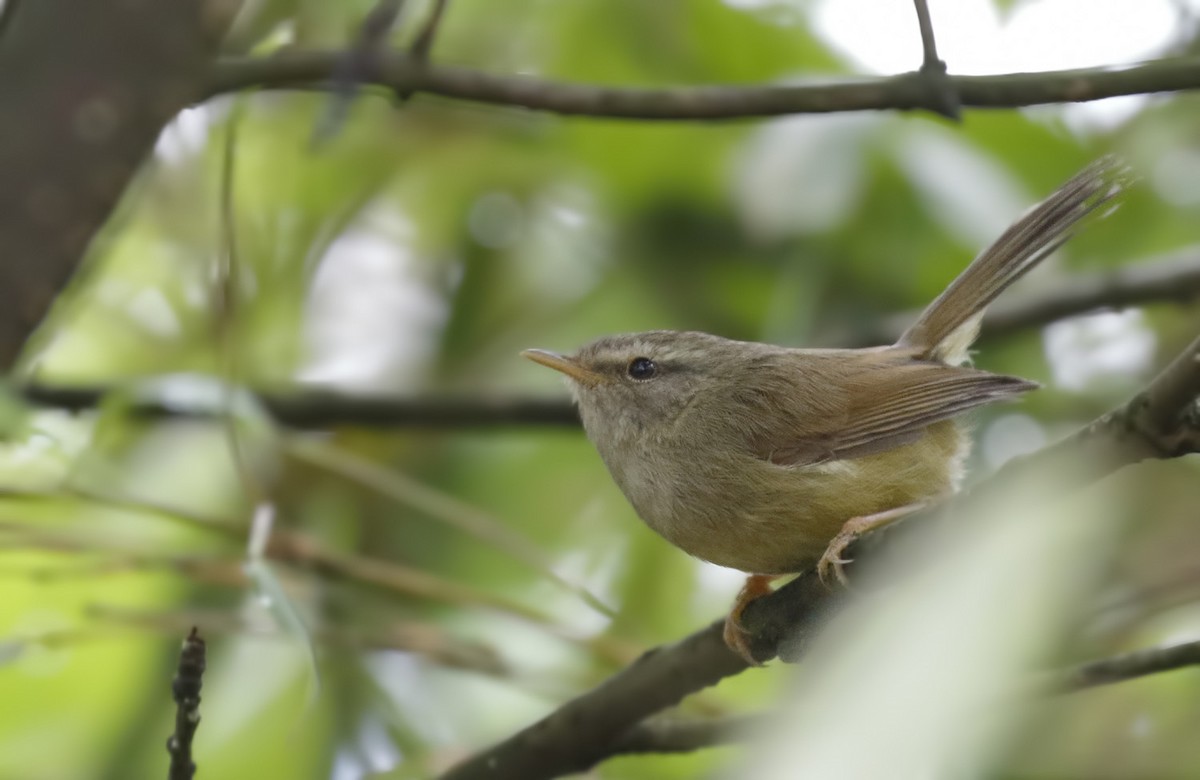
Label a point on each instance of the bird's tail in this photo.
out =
(950, 324)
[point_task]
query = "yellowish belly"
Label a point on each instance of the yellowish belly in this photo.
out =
(773, 519)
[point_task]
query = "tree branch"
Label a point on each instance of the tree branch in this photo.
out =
(403, 73)
(578, 734)
(1160, 422)
(1172, 278)
(671, 735)
(1119, 668)
(322, 410)
(85, 89)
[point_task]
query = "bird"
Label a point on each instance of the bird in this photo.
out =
(772, 459)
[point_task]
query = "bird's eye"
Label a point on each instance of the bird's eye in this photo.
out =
(641, 368)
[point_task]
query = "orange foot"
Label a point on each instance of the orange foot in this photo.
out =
(830, 566)
(757, 586)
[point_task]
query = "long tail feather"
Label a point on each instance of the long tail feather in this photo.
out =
(948, 325)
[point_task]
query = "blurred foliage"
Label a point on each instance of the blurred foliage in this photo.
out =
(415, 253)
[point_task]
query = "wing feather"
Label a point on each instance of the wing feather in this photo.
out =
(865, 403)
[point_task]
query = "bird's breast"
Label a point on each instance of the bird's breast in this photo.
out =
(737, 510)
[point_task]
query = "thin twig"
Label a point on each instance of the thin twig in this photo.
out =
(427, 640)
(289, 547)
(185, 689)
(933, 68)
(1141, 663)
(373, 33)
(930, 57)
(675, 735)
(424, 40)
(401, 73)
(358, 65)
(439, 506)
(301, 550)
(227, 305)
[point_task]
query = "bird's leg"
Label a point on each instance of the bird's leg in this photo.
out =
(830, 566)
(756, 586)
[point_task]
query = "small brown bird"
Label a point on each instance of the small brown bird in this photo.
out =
(771, 459)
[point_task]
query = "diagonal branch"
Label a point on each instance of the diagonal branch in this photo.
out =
(672, 735)
(1160, 422)
(403, 73)
(578, 734)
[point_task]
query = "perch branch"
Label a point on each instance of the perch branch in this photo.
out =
(579, 733)
(403, 73)
(669, 735)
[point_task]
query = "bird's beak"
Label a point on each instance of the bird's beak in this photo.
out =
(566, 365)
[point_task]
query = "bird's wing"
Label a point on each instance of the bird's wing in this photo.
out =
(864, 403)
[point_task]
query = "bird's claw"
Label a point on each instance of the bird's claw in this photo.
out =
(735, 634)
(831, 567)
(738, 639)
